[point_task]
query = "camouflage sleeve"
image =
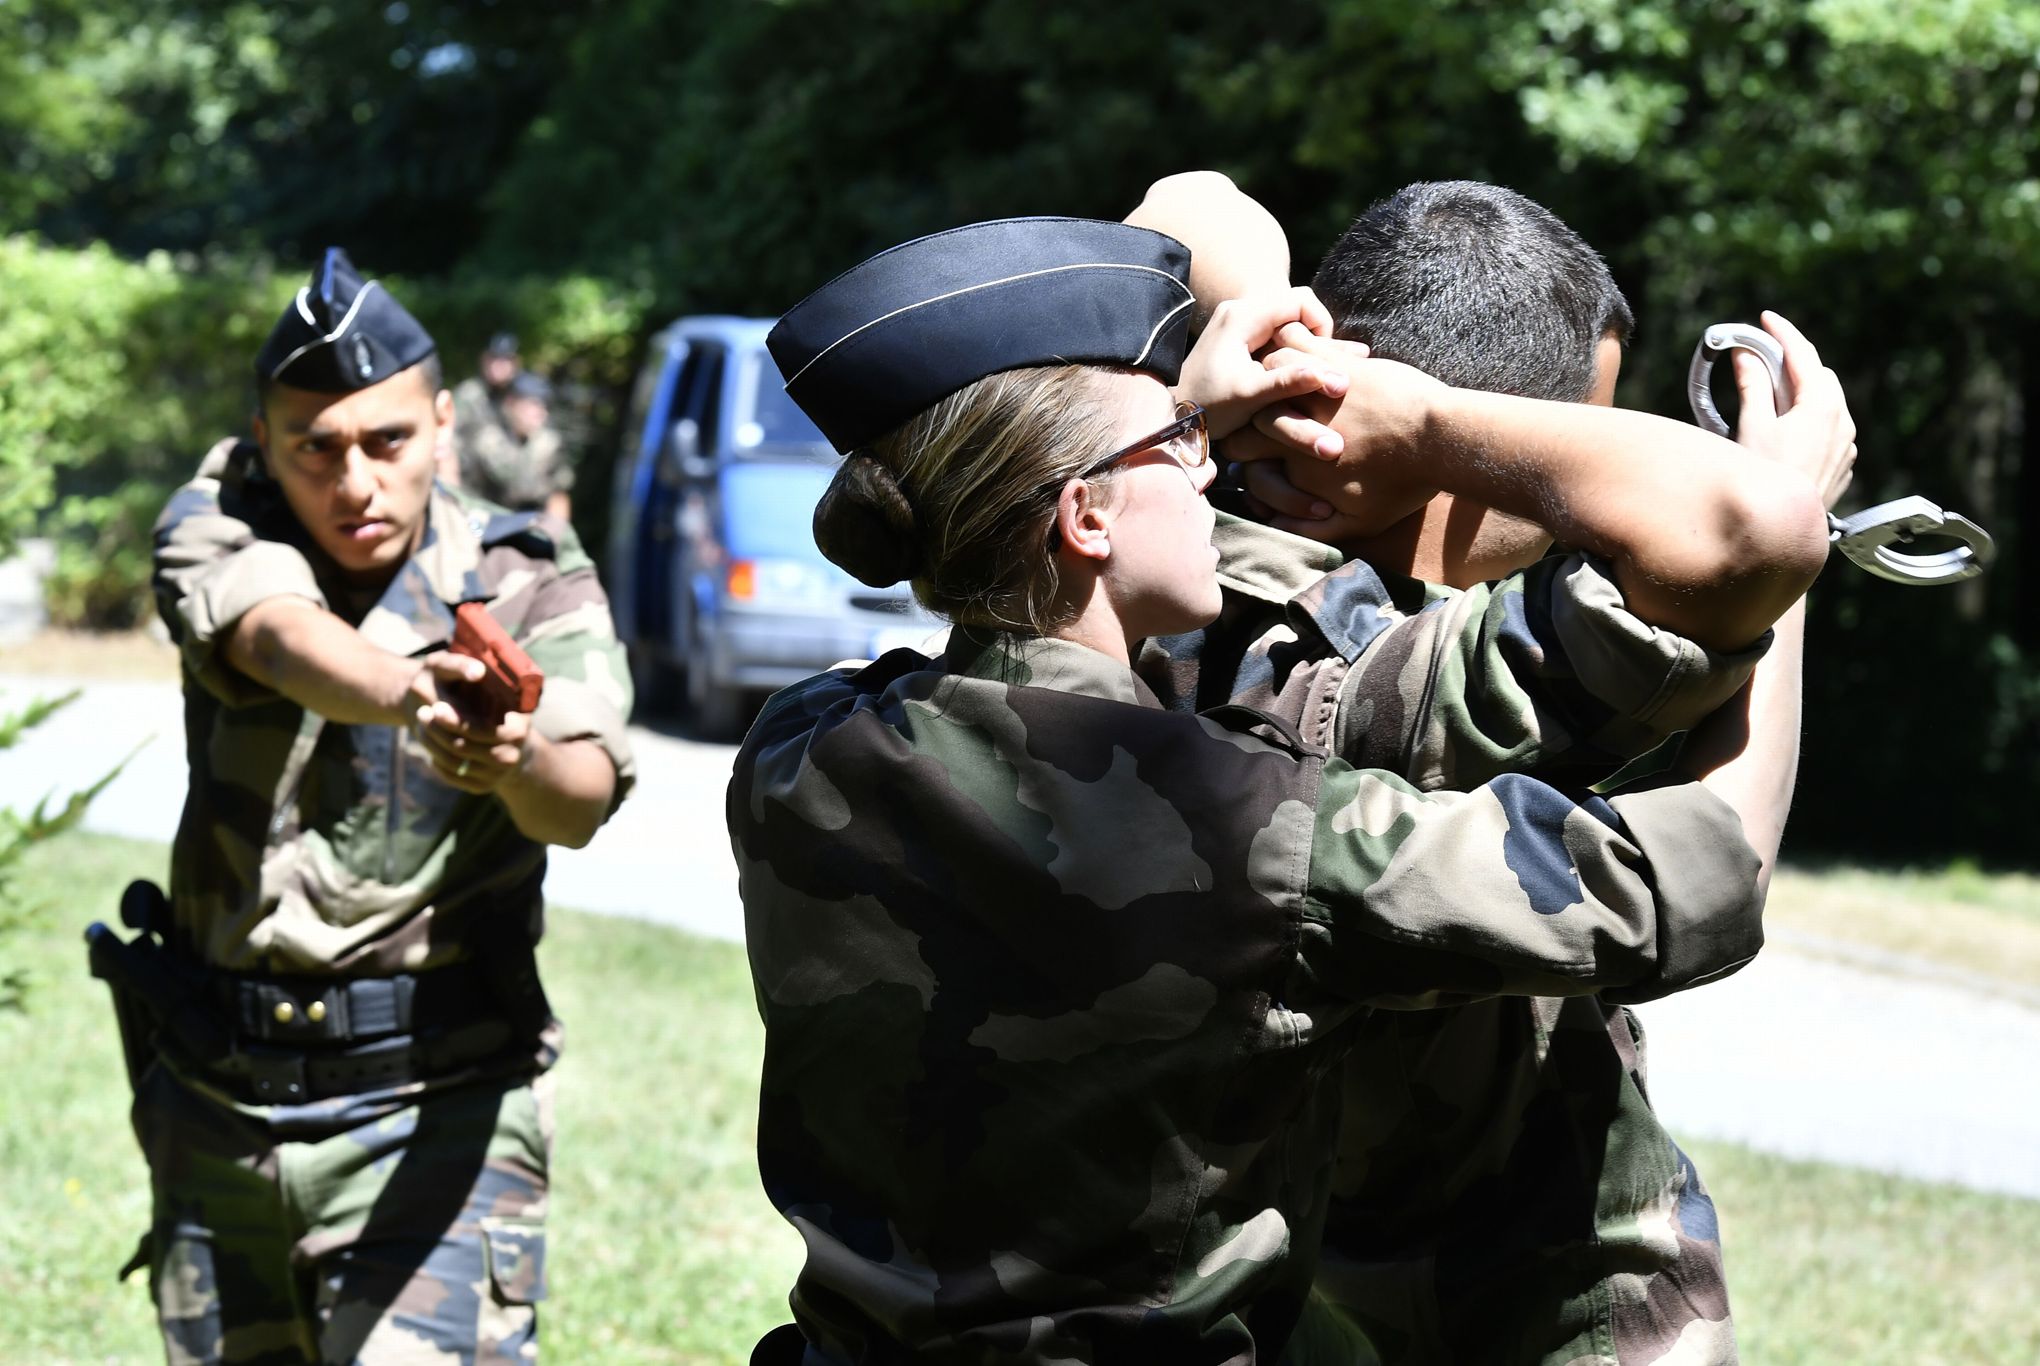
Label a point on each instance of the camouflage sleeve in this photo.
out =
(569, 634)
(488, 461)
(472, 406)
(210, 568)
(1546, 669)
(1421, 899)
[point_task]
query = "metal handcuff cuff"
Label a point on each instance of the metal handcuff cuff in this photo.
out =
(1869, 538)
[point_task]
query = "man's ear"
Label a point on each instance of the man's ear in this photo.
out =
(442, 407)
(1082, 522)
(259, 427)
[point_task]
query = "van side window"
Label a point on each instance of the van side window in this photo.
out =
(668, 466)
(700, 397)
(641, 395)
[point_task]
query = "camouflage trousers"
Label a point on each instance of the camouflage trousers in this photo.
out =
(1524, 1207)
(407, 1231)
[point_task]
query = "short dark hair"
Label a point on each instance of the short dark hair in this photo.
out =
(429, 370)
(1477, 286)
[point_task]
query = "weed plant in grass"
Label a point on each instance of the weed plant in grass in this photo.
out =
(663, 1249)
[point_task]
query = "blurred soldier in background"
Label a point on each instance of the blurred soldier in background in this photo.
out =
(478, 400)
(510, 453)
(529, 473)
(347, 1120)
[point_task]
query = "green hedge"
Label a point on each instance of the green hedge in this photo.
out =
(116, 375)
(110, 370)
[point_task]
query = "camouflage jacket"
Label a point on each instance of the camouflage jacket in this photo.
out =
(1546, 669)
(495, 464)
(1052, 977)
(1503, 1191)
(308, 847)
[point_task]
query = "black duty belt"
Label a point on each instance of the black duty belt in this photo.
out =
(334, 1010)
(299, 1039)
(288, 1076)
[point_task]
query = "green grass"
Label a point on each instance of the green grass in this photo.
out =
(1986, 925)
(1834, 1265)
(664, 1250)
(662, 1247)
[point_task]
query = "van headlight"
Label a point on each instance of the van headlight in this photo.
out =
(778, 583)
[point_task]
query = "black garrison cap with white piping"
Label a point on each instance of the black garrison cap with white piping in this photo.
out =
(341, 333)
(912, 325)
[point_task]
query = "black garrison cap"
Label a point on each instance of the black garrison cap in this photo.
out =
(341, 333)
(912, 325)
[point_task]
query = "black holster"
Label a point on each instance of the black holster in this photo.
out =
(164, 1003)
(154, 995)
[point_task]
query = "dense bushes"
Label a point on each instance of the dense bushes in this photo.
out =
(115, 376)
(110, 370)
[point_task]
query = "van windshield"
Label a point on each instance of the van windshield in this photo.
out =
(771, 425)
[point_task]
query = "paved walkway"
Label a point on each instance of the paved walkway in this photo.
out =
(1899, 1067)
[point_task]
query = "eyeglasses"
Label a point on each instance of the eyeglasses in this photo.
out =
(1186, 439)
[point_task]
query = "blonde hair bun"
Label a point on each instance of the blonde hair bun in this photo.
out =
(866, 526)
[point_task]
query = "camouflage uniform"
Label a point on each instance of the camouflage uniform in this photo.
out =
(495, 464)
(404, 1220)
(1055, 979)
(1503, 1192)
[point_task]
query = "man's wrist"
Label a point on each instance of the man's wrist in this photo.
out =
(520, 777)
(1416, 428)
(398, 693)
(1482, 447)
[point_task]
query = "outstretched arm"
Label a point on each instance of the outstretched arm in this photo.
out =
(556, 792)
(296, 648)
(250, 618)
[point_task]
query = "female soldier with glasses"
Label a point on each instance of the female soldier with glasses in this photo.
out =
(1051, 976)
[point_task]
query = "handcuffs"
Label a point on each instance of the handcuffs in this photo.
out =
(1870, 537)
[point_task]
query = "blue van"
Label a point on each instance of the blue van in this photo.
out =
(718, 590)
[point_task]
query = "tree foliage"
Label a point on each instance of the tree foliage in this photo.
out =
(192, 124)
(116, 376)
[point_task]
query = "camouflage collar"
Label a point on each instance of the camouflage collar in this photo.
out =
(1319, 589)
(1043, 662)
(452, 547)
(415, 612)
(1261, 562)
